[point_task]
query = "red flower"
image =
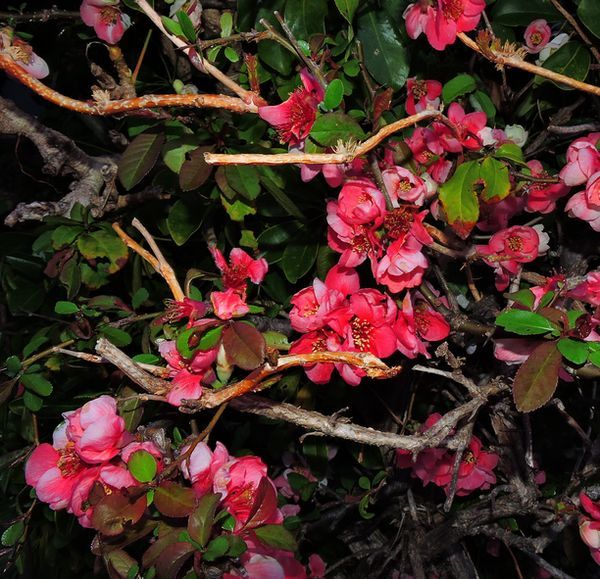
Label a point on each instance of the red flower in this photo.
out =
(361, 203)
(295, 117)
(318, 341)
(422, 94)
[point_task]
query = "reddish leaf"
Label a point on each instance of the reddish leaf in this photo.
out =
(115, 512)
(381, 103)
(172, 559)
(118, 563)
(265, 503)
(201, 520)
(139, 157)
(195, 170)
(155, 550)
(173, 500)
(537, 378)
(244, 345)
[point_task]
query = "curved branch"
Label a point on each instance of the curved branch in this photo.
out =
(348, 156)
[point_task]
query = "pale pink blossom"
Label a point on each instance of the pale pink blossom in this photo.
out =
(583, 160)
(537, 35)
(403, 185)
(106, 18)
(22, 53)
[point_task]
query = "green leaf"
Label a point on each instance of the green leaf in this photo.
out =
(146, 359)
(64, 235)
(11, 536)
(525, 323)
(519, 13)
(202, 519)
(116, 336)
(524, 297)
(334, 94)
(347, 8)
(13, 365)
(537, 378)
(210, 339)
(139, 297)
(276, 536)
(510, 152)
(66, 308)
(305, 17)
(172, 26)
(269, 180)
(115, 512)
(216, 548)
(195, 171)
(458, 86)
(385, 56)
(32, 401)
(298, 257)
(481, 100)
(37, 383)
(496, 181)
(595, 358)
(589, 13)
(459, 200)
(175, 151)
(174, 500)
(573, 350)
(244, 346)
(104, 243)
(139, 157)
(187, 26)
(244, 179)
(572, 59)
(142, 465)
(185, 218)
(333, 127)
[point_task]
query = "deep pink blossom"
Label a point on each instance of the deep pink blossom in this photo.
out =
(295, 117)
(422, 94)
(403, 185)
(106, 18)
(361, 203)
(589, 528)
(402, 266)
(441, 20)
(537, 35)
(202, 465)
(542, 197)
(228, 304)
(583, 160)
(464, 132)
(318, 341)
(429, 153)
(186, 308)
(588, 290)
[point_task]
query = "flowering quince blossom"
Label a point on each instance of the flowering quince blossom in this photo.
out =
(509, 248)
(106, 18)
(361, 203)
(295, 117)
(429, 153)
(241, 267)
(435, 465)
(22, 53)
(589, 527)
(466, 130)
(422, 94)
(441, 20)
(588, 290)
(542, 197)
(403, 185)
(537, 35)
(186, 308)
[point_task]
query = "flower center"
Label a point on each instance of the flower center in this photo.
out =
(469, 457)
(319, 345)
(419, 89)
(361, 243)
(514, 243)
(361, 334)
(452, 9)
(21, 53)
(109, 15)
(68, 463)
(536, 38)
(398, 222)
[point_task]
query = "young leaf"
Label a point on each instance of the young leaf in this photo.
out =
(536, 379)
(66, 308)
(202, 519)
(244, 345)
(334, 94)
(37, 383)
(347, 8)
(496, 182)
(187, 26)
(115, 512)
(173, 500)
(142, 465)
(525, 323)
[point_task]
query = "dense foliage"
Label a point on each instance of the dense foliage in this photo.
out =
(297, 288)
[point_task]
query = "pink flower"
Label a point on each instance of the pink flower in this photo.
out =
(583, 160)
(186, 308)
(402, 266)
(187, 376)
(589, 529)
(106, 18)
(22, 53)
(588, 290)
(537, 35)
(422, 94)
(96, 429)
(514, 350)
(146, 445)
(441, 20)
(466, 129)
(361, 203)
(509, 248)
(542, 197)
(579, 206)
(54, 473)
(318, 341)
(475, 471)
(403, 185)
(202, 465)
(428, 152)
(295, 117)
(495, 216)
(228, 304)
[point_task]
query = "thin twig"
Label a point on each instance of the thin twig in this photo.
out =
(321, 158)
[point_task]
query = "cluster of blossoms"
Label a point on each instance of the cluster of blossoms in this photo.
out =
(436, 465)
(92, 449)
(189, 375)
(22, 53)
(106, 18)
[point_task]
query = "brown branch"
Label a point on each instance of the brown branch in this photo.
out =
(157, 261)
(93, 177)
(372, 365)
(248, 97)
(143, 103)
(321, 158)
(150, 383)
(516, 61)
(571, 20)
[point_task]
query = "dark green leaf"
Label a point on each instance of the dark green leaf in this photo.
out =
(11, 536)
(458, 86)
(104, 243)
(333, 127)
(510, 152)
(305, 17)
(572, 59)
(524, 323)
(276, 536)
(187, 27)
(589, 13)
(299, 257)
(172, 559)
(519, 13)
(537, 378)
(185, 218)
(13, 365)
(202, 519)
(32, 401)
(385, 56)
(172, 26)
(174, 500)
(139, 297)
(347, 8)
(118, 337)
(139, 157)
(195, 171)
(524, 297)
(216, 548)
(37, 383)
(244, 179)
